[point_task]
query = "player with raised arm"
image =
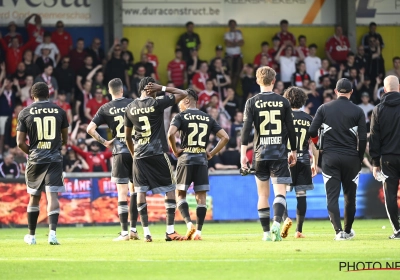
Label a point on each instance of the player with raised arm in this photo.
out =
(46, 125)
(303, 171)
(195, 128)
(144, 117)
(273, 123)
(112, 114)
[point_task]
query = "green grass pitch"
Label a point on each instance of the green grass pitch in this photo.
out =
(228, 251)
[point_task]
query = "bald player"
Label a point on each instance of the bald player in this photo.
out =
(384, 148)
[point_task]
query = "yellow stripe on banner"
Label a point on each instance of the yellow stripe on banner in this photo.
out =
(170, 169)
(313, 12)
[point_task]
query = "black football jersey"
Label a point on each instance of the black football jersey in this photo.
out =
(146, 117)
(43, 121)
(272, 118)
(112, 114)
(195, 128)
(302, 122)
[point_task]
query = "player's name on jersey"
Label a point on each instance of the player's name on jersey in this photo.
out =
(270, 140)
(145, 110)
(194, 150)
(266, 104)
(191, 117)
(114, 110)
(144, 141)
(44, 145)
(301, 122)
(36, 111)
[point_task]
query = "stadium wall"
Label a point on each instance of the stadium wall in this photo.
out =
(91, 198)
(165, 39)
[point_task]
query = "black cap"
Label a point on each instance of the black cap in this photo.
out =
(219, 48)
(344, 86)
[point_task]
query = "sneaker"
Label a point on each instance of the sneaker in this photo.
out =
(196, 237)
(395, 236)
(267, 238)
(190, 232)
(275, 233)
(174, 237)
(148, 238)
(350, 235)
(299, 235)
(122, 237)
(29, 239)
(340, 236)
(133, 235)
(53, 240)
(286, 226)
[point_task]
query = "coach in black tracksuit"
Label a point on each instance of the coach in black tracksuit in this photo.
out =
(342, 121)
(385, 147)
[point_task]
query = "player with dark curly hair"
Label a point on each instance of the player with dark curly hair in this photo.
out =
(302, 172)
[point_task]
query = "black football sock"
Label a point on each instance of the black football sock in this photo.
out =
(133, 211)
(301, 212)
(264, 215)
(279, 207)
(170, 206)
(183, 207)
(144, 219)
(33, 215)
(123, 214)
(201, 212)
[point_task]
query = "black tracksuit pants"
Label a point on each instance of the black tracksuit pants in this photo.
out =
(341, 170)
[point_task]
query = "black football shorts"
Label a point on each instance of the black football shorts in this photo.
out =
(153, 174)
(277, 170)
(301, 177)
(47, 177)
(196, 174)
(122, 169)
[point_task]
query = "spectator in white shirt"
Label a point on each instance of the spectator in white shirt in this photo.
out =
(365, 105)
(47, 44)
(234, 41)
(321, 71)
(288, 63)
(313, 62)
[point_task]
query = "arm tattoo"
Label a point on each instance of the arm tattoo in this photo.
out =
(99, 139)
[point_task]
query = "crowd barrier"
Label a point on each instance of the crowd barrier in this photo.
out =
(91, 198)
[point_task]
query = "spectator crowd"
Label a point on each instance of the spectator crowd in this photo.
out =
(77, 77)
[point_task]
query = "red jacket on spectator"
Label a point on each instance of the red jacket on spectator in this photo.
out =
(94, 160)
(338, 48)
(14, 55)
(199, 80)
(63, 42)
(8, 39)
(35, 34)
(205, 97)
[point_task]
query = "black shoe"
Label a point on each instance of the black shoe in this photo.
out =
(395, 236)
(148, 238)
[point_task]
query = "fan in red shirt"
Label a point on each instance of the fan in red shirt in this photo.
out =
(35, 31)
(94, 104)
(303, 45)
(77, 55)
(63, 104)
(284, 35)
(205, 95)
(152, 58)
(264, 51)
(95, 159)
(337, 47)
(62, 39)
(276, 42)
(14, 53)
(12, 27)
(177, 70)
(200, 78)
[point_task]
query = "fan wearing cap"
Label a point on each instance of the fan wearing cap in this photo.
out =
(219, 54)
(344, 128)
(12, 33)
(54, 53)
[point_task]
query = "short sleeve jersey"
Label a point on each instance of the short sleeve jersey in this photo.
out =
(195, 128)
(112, 114)
(42, 122)
(269, 112)
(146, 117)
(302, 122)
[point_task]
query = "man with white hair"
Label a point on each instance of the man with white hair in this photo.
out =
(384, 146)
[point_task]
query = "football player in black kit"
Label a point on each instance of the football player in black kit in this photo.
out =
(144, 117)
(303, 171)
(195, 128)
(112, 114)
(46, 125)
(273, 123)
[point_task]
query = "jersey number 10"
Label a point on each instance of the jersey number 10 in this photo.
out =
(46, 128)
